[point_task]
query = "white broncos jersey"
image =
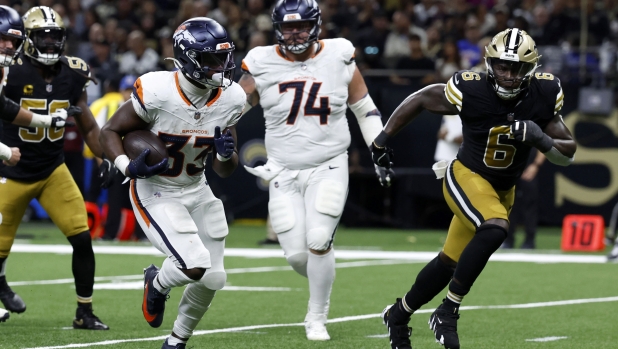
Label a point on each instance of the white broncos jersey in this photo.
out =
(304, 102)
(187, 132)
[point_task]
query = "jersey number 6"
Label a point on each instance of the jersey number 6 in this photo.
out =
(499, 154)
(299, 86)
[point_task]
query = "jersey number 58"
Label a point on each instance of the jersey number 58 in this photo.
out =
(37, 134)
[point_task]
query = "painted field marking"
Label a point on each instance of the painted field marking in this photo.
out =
(341, 254)
(341, 319)
(229, 271)
(546, 339)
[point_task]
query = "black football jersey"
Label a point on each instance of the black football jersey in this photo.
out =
(488, 148)
(41, 149)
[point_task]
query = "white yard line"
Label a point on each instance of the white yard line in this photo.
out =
(229, 271)
(546, 339)
(342, 319)
(340, 254)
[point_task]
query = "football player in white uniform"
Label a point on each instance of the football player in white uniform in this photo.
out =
(305, 85)
(193, 110)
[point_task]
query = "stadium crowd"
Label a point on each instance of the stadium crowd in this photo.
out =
(134, 37)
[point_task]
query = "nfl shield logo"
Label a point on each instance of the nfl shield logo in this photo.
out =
(510, 117)
(197, 115)
(48, 88)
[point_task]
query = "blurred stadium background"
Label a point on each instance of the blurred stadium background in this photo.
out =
(577, 38)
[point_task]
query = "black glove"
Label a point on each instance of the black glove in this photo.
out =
(384, 175)
(139, 169)
(382, 156)
(59, 119)
(528, 132)
(224, 143)
(107, 172)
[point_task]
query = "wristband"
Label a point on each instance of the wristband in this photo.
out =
(380, 141)
(5, 152)
(121, 163)
(40, 120)
(222, 159)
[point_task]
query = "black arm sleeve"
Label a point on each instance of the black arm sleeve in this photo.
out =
(8, 109)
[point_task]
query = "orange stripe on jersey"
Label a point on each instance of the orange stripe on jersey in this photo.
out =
(216, 97)
(244, 67)
(321, 48)
(182, 95)
(138, 204)
(281, 54)
(138, 89)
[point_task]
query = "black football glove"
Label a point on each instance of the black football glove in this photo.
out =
(139, 169)
(382, 156)
(107, 172)
(224, 143)
(528, 132)
(384, 175)
(59, 118)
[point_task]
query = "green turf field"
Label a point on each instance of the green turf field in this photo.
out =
(561, 305)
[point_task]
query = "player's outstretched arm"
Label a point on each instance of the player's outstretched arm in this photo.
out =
(225, 157)
(9, 156)
(247, 82)
(88, 126)
(13, 113)
(431, 98)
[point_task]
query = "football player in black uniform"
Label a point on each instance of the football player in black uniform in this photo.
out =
(44, 81)
(504, 114)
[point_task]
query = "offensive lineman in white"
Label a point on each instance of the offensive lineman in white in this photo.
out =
(174, 204)
(304, 85)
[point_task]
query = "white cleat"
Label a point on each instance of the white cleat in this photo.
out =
(316, 331)
(4, 315)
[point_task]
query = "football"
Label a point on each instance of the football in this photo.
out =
(135, 142)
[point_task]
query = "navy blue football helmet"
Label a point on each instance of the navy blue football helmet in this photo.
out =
(11, 28)
(203, 52)
(291, 11)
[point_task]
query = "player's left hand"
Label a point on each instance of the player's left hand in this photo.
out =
(382, 156)
(224, 143)
(384, 175)
(107, 172)
(59, 118)
(528, 132)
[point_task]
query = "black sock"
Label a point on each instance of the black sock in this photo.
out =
(430, 281)
(474, 257)
(83, 264)
(2, 260)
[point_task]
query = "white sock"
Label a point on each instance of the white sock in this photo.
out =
(193, 305)
(321, 274)
(170, 276)
(171, 340)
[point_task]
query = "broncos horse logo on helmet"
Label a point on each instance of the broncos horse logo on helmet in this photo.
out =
(45, 35)
(203, 52)
(290, 12)
(511, 59)
(12, 28)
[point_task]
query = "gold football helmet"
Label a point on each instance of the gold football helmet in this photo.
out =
(511, 59)
(45, 35)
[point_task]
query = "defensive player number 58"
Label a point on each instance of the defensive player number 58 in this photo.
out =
(36, 135)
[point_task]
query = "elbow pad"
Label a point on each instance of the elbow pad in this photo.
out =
(8, 109)
(369, 118)
(556, 157)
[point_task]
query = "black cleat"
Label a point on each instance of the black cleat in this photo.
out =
(4, 315)
(86, 320)
(12, 301)
(397, 324)
(153, 304)
(444, 325)
(169, 346)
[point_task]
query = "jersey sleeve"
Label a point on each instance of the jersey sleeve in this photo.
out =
(453, 93)
(248, 64)
(137, 99)
(239, 101)
(559, 99)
